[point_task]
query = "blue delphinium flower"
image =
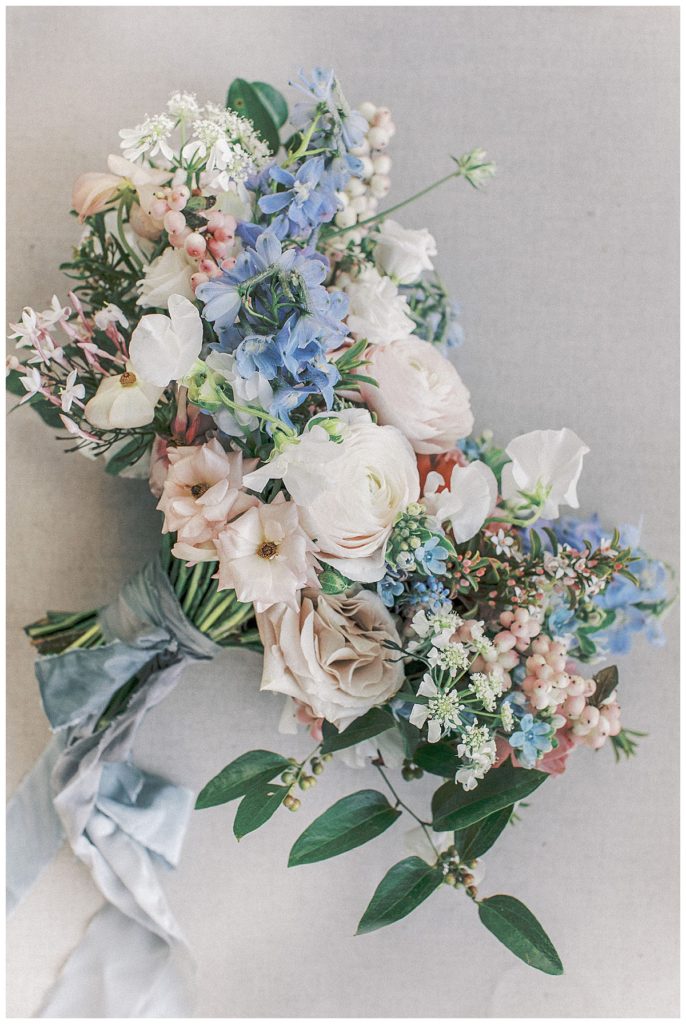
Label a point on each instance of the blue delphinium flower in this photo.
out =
(307, 198)
(532, 740)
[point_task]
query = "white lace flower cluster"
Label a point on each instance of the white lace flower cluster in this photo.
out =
(225, 142)
(478, 749)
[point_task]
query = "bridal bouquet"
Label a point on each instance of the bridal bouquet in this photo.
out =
(247, 329)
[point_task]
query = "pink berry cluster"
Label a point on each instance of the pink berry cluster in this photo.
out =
(208, 244)
(590, 724)
(521, 626)
(547, 681)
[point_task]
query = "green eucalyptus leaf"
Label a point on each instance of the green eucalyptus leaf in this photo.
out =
(333, 582)
(455, 808)
(517, 928)
(274, 102)
(352, 821)
(236, 779)
(262, 800)
(375, 721)
(244, 99)
(476, 839)
(402, 889)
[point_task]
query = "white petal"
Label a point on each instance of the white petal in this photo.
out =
(154, 350)
(187, 327)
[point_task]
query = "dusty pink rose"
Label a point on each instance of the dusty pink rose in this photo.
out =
(419, 392)
(201, 492)
(266, 556)
(329, 654)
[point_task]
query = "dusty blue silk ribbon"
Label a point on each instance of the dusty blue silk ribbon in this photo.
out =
(120, 821)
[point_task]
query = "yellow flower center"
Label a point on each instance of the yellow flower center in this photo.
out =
(268, 549)
(197, 490)
(128, 379)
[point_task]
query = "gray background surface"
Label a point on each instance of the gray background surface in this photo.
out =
(567, 268)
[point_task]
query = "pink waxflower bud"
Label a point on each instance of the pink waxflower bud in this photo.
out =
(94, 192)
(215, 220)
(222, 235)
(178, 238)
(206, 266)
(195, 245)
(229, 264)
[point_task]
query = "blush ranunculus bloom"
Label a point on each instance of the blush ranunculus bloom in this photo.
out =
(420, 392)
(329, 654)
(372, 478)
(377, 311)
(266, 556)
(201, 493)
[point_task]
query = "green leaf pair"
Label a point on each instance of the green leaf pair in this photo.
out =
(454, 808)
(262, 105)
(249, 776)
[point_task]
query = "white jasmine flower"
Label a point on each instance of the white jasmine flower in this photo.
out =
(402, 253)
(32, 384)
(442, 711)
(467, 503)
(548, 463)
(377, 312)
(71, 391)
(503, 543)
(148, 137)
(110, 314)
(26, 333)
(163, 348)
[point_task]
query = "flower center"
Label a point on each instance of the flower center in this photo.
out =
(445, 708)
(197, 490)
(268, 549)
(128, 379)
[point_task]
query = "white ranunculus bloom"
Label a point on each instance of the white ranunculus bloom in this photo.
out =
(377, 312)
(169, 274)
(123, 401)
(373, 478)
(468, 501)
(420, 392)
(403, 253)
(551, 459)
(163, 348)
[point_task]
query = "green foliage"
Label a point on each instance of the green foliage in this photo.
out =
(517, 928)
(402, 889)
(257, 766)
(454, 808)
(261, 801)
(333, 582)
(352, 821)
(476, 839)
(274, 102)
(438, 759)
(373, 722)
(606, 681)
(250, 103)
(624, 744)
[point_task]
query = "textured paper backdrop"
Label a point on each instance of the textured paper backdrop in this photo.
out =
(567, 268)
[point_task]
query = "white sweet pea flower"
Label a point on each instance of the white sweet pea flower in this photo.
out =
(254, 391)
(302, 465)
(169, 274)
(123, 401)
(468, 501)
(548, 460)
(163, 348)
(403, 253)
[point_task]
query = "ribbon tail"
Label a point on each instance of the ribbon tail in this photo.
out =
(34, 829)
(122, 969)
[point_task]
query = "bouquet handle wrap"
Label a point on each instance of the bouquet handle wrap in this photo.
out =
(122, 822)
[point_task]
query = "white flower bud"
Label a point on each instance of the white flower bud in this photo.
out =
(343, 200)
(381, 163)
(367, 168)
(378, 137)
(381, 117)
(379, 185)
(362, 149)
(355, 187)
(367, 109)
(359, 204)
(346, 218)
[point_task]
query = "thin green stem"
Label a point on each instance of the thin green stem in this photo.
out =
(122, 238)
(398, 206)
(401, 803)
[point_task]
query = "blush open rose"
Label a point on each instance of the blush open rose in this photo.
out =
(330, 654)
